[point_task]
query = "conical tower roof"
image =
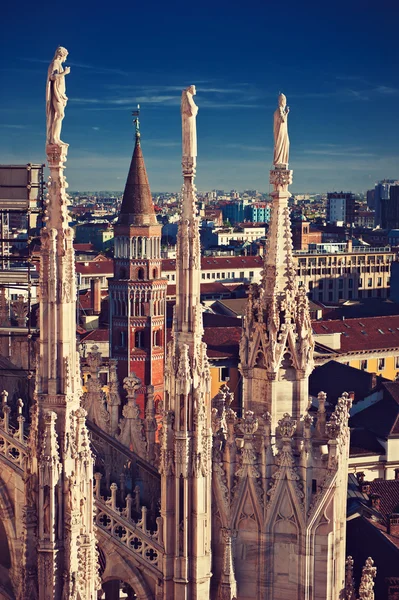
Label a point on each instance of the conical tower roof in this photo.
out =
(137, 207)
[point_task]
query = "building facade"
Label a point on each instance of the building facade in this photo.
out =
(340, 207)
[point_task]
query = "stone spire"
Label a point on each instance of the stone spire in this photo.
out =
(277, 345)
(186, 429)
(60, 464)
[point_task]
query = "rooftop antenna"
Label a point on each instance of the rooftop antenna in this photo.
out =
(136, 121)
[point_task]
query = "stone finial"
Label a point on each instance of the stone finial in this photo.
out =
(349, 580)
(20, 310)
(366, 588)
(337, 427)
(131, 385)
(286, 427)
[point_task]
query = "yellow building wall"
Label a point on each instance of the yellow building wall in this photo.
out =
(390, 370)
(217, 381)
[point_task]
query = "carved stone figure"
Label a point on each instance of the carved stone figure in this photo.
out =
(281, 140)
(189, 112)
(56, 98)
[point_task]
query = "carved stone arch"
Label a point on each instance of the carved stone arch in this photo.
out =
(322, 538)
(246, 495)
(122, 568)
(276, 499)
(254, 346)
(7, 517)
(247, 525)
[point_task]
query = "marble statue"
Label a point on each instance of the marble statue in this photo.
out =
(56, 98)
(281, 139)
(189, 112)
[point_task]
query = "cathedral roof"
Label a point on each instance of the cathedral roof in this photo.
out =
(137, 207)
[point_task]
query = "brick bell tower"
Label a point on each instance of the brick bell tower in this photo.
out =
(137, 292)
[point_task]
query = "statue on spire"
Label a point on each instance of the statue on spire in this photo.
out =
(189, 112)
(56, 98)
(281, 139)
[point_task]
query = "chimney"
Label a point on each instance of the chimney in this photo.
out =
(365, 488)
(95, 285)
(360, 476)
(376, 502)
(349, 245)
(393, 524)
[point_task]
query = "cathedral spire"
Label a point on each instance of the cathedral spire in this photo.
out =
(276, 350)
(186, 427)
(62, 550)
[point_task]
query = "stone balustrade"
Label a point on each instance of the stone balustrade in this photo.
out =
(146, 545)
(13, 445)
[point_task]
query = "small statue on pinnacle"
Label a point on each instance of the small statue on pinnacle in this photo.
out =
(56, 98)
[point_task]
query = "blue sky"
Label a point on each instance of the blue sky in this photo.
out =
(337, 62)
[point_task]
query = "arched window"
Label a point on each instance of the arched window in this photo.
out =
(140, 274)
(122, 273)
(154, 274)
(138, 339)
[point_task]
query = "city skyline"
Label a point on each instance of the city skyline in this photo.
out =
(341, 86)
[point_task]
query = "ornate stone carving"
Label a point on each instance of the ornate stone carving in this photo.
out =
(281, 179)
(350, 593)
(366, 588)
(20, 310)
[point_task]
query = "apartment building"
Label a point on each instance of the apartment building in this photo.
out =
(349, 274)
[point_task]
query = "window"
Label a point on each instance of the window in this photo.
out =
(350, 295)
(138, 339)
(202, 275)
(223, 275)
(224, 374)
(350, 283)
(208, 275)
(242, 275)
(321, 285)
(379, 281)
(360, 282)
(330, 284)
(369, 282)
(321, 297)
(363, 365)
(330, 296)
(340, 295)
(396, 362)
(310, 285)
(251, 274)
(381, 364)
(341, 284)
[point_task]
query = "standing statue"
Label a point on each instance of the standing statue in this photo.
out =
(56, 99)
(189, 112)
(281, 139)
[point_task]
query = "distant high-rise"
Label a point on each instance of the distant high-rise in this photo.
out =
(390, 209)
(340, 207)
(381, 193)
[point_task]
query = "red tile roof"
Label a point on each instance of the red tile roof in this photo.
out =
(213, 287)
(388, 490)
(96, 335)
(104, 267)
(219, 262)
(367, 333)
